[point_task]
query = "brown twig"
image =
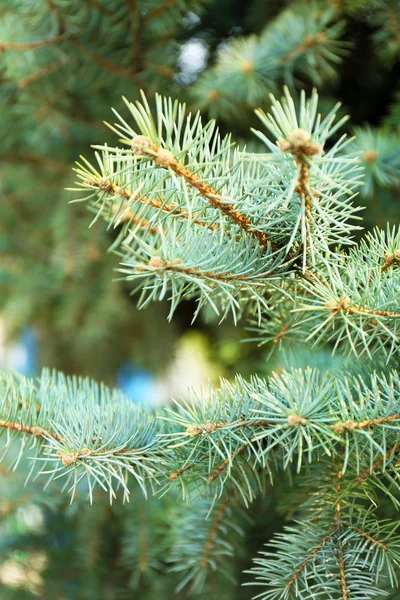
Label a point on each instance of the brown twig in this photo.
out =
(370, 538)
(4, 45)
(165, 158)
(303, 183)
(341, 427)
(179, 472)
(350, 425)
(57, 14)
(126, 215)
(213, 532)
(159, 264)
(378, 463)
(343, 305)
(158, 10)
(222, 466)
(338, 520)
(34, 430)
(308, 42)
(217, 202)
(32, 77)
(127, 193)
(106, 63)
(307, 560)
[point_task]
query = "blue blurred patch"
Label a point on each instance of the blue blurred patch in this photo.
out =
(137, 383)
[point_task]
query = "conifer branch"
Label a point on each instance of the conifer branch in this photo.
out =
(159, 264)
(219, 513)
(128, 194)
(33, 430)
(308, 42)
(166, 159)
(377, 464)
(306, 561)
(370, 538)
(222, 466)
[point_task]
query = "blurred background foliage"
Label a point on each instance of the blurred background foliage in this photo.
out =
(63, 65)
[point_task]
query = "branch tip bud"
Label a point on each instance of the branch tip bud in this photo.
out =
(104, 184)
(299, 141)
(140, 143)
(157, 262)
(164, 158)
(295, 420)
(337, 305)
(37, 431)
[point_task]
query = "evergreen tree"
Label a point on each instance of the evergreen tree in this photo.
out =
(264, 234)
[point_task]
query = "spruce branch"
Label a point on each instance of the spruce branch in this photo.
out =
(302, 42)
(212, 532)
(167, 160)
(112, 441)
(106, 187)
(348, 554)
(313, 197)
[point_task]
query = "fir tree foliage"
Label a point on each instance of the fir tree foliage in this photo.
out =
(303, 41)
(266, 235)
(221, 448)
(202, 219)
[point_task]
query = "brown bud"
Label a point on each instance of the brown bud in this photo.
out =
(164, 158)
(336, 305)
(247, 66)
(339, 428)
(284, 145)
(37, 431)
(314, 148)
(344, 303)
(194, 430)
(104, 184)
(343, 427)
(332, 304)
(370, 156)
(299, 137)
(157, 262)
(176, 261)
(209, 427)
(212, 95)
(300, 141)
(140, 143)
(296, 420)
(321, 36)
(68, 458)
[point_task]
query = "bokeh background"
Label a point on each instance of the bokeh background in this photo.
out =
(63, 65)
